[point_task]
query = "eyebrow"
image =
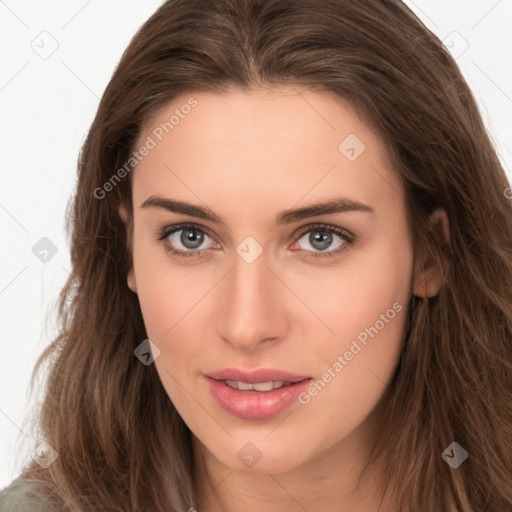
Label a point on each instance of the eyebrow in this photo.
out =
(336, 205)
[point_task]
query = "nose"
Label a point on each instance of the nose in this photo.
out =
(252, 306)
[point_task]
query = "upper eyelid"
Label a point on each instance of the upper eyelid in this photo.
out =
(173, 228)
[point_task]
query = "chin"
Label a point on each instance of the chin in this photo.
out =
(254, 457)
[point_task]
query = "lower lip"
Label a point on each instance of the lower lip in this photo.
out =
(255, 405)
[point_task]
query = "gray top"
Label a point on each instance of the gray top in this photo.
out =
(23, 495)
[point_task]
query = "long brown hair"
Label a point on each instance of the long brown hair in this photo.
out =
(121, 444)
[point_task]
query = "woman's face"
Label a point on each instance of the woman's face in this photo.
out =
(311, 299)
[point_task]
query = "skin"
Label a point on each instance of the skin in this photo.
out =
(247, 156)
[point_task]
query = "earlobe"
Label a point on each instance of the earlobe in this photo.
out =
(132, 284)
(429, 280)
(428, 283)
(123, 213)
(130, 278)
(439, 219)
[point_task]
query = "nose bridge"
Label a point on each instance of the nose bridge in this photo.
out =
(250, 309)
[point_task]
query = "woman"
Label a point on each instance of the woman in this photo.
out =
(292, 275)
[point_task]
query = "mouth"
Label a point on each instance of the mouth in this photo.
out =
(257, 394)
(256, 386)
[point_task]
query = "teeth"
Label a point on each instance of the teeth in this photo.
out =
(263, 386)
(257, 386)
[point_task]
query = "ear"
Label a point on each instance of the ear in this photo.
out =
(429, 279)
(126, 218)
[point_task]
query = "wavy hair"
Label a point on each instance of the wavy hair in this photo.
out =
(121, 443)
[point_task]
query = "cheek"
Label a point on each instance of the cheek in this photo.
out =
(167, 303)
(360, 293)
(370, 322)
(365, 304)
(165, 291)
(167, 313)
(175, 302)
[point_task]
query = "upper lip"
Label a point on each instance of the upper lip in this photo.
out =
(254, 376)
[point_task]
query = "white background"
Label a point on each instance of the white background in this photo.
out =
(46, 107)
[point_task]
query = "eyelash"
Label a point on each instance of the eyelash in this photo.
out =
(165, 232)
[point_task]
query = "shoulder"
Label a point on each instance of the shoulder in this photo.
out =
(24, 495)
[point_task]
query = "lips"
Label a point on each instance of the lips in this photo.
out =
(255, 394)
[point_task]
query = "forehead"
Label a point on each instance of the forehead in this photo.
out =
(267, 148)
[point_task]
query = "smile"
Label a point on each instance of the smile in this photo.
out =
(257, 394)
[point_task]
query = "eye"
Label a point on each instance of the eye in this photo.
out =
(188, 236)
(322, 237)
(187, 240)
